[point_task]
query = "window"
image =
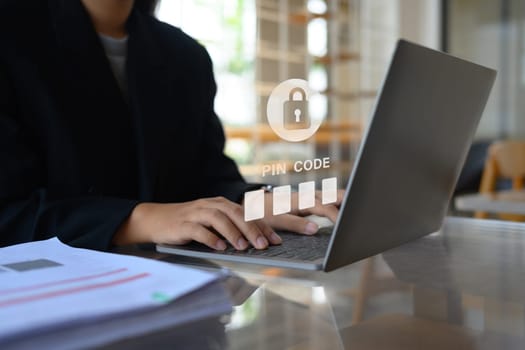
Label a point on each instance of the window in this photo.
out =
(341, 47)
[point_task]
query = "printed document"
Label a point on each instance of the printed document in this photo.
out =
(47, 285)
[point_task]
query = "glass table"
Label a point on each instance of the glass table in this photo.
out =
(460, 288)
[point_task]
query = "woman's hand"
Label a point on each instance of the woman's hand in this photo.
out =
(211, 221)
(207, 221)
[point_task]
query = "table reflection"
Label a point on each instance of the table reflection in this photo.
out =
(460, 288)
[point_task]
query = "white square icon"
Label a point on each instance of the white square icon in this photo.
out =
(282, 199)
(329, 190)
(306, 195)
(253, 205)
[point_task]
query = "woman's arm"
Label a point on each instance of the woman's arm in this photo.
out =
(27, 210)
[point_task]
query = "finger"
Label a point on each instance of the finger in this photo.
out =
(215, 218)
(268, 231)
(329, 211)
(235, 212)
(294, 223)
(202, 235)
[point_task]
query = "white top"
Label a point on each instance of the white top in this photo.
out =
(116, 51)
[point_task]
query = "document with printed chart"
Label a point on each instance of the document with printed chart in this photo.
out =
(48, 286)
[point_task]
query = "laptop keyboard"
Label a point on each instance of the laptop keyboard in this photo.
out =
(294, 246)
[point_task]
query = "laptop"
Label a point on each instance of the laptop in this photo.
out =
(405, 172)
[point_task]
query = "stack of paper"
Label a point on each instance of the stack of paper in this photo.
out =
(49, 289)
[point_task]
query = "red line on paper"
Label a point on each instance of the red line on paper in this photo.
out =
(56, 283)
(63, 292)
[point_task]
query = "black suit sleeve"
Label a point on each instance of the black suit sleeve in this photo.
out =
(27, 211)
(222, 175)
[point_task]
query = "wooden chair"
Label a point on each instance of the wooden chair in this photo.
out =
(505, 159)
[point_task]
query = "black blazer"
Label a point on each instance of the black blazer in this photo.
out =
(76, 156)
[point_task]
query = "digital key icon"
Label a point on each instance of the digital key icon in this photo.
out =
(295, 116)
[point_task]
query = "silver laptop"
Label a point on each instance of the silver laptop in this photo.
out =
(412, 153)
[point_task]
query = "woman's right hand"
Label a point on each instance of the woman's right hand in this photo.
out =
(207, 221)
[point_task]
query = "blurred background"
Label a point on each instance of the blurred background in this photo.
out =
(343, 47)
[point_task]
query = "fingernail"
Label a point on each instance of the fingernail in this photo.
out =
(242, 244)
(274, 237)
(311, 228)
(220, 245)
(261, 242)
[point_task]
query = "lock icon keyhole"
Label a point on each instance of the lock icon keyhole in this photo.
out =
(295, 114)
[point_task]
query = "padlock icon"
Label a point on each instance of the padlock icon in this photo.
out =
(296, 116)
